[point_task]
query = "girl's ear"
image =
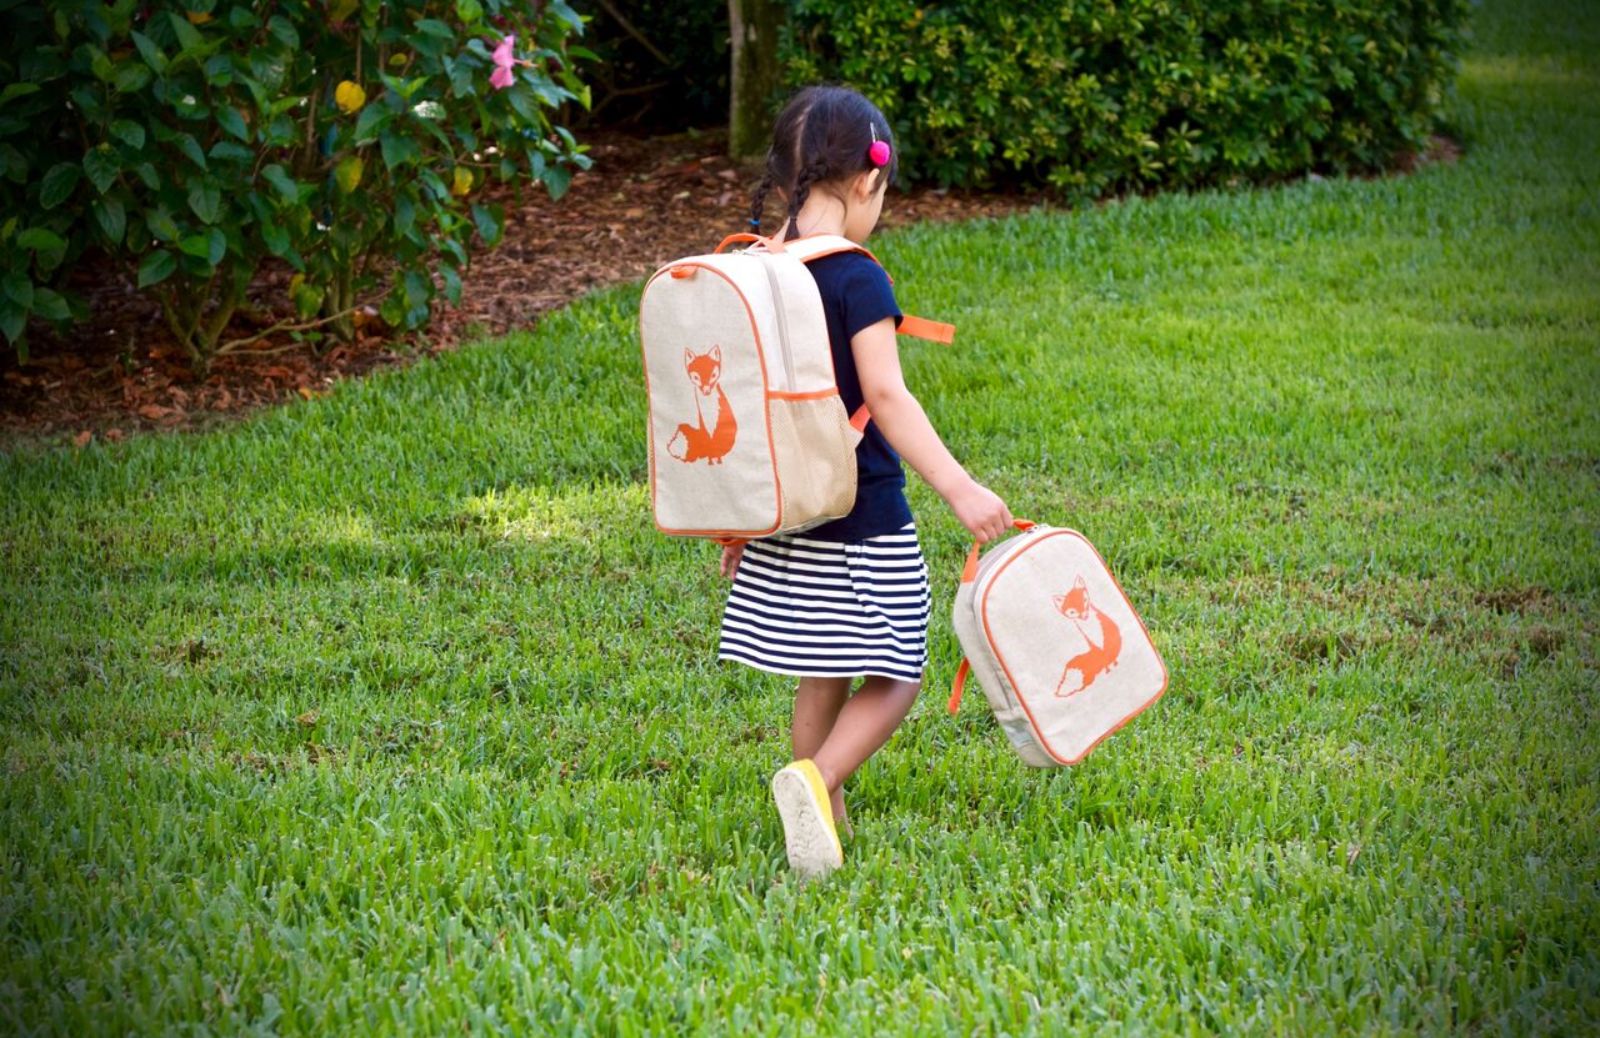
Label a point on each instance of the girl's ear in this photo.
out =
(868, 185)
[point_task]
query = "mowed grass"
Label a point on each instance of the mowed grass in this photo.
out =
(391, 712)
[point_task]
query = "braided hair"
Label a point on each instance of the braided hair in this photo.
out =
(822, 136)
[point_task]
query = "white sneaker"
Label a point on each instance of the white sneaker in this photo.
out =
(808, 833)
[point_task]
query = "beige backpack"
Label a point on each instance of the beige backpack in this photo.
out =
(748, 435)
(1055, 644)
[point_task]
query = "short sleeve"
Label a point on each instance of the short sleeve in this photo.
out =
(868, 297)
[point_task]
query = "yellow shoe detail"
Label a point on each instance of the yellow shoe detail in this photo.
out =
(810, 840)
(819, 789)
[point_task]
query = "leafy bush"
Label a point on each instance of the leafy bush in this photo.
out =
(1095, 96)
(349, 138)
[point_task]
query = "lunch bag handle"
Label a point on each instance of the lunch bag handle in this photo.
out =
(969, 573)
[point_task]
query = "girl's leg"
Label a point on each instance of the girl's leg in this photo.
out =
(817, 702)
(862, 726)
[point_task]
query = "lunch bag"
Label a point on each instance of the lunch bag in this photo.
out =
(1055, 644)
(748, 435)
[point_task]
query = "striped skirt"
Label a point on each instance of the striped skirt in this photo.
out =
(829, 609)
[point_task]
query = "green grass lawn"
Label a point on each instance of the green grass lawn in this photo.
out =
(391, 712)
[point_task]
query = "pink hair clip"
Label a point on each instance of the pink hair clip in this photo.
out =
(878, 153)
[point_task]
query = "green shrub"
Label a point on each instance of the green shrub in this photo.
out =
(349, 138)
(1095, 96)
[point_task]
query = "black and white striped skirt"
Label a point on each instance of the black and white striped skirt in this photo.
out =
(830, 609)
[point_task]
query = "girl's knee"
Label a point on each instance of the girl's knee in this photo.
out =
(831, 688)
(897, 687)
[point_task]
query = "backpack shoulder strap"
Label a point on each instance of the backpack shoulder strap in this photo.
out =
(816, 246)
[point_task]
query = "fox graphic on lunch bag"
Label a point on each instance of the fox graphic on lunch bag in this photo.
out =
(1105, 641)
(743, 333)
(1036, 651)
(696, 442)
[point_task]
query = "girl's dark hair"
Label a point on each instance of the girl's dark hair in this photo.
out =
(824, 133)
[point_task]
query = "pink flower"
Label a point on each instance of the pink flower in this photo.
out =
(503, 59)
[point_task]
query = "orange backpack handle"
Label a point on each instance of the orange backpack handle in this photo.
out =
(772, 244)
(969, 573)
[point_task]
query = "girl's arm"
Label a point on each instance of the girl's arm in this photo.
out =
(905, 425)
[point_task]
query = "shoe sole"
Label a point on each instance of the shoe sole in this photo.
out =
(812, 849)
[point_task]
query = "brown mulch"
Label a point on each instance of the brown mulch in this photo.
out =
(645, 201)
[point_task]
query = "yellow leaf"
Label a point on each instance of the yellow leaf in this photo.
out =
(463, 182)
(295, 283)
(348, 173)
(197, 17)
(349, 97)
(339, 10)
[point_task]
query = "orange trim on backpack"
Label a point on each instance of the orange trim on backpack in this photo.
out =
(761, 355)
(859, 420)
(922, 328)
(989, 634)
(815, 394)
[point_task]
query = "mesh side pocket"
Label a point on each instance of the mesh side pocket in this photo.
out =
(816, 451)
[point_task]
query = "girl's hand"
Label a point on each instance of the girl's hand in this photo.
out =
(731, 554)
(981, 511)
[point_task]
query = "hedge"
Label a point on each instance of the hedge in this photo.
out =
(1092, 97)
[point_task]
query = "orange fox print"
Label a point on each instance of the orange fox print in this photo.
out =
(1105, 641)
(699, 442)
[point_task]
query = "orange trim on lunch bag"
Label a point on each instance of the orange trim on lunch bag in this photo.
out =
(682, 270)
(959, 686)
(859, 420)
(815, 394)
(922, 328)
(772, 453)
(989, 634)
(969, 572)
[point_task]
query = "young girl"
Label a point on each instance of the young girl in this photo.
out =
(848, 599)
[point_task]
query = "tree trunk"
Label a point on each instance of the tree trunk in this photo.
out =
(753, 27)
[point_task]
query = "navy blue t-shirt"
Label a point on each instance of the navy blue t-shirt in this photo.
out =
(856, 294)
